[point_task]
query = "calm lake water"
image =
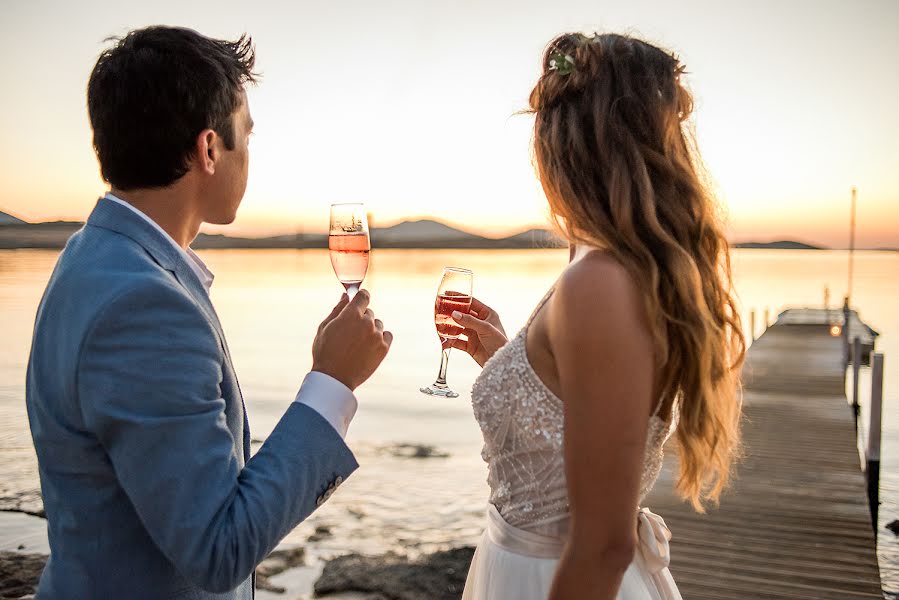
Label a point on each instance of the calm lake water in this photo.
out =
(270, 303)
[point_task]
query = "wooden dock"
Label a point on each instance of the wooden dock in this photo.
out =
(834, 316)
(795, 523)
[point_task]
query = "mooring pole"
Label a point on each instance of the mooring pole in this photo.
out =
(845, 332)
(856, 370)
(872, 469)
(851, 245)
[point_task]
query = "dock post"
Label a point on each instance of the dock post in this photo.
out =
(767, 318)
(856, 368)
(872, 452)
(846, 332)
(752, 325)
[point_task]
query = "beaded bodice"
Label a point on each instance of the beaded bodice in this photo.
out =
(523, 426)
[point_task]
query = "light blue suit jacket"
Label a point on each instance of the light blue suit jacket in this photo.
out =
(141, 435)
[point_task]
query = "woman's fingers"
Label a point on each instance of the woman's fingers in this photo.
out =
(485, 313)
(459, 345)
(483, 328)
(482, 310)
(472, 322)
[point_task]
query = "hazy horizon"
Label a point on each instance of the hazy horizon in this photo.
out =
(409, 107)
(526, 229)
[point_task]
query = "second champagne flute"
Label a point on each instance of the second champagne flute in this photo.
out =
(453, 293)
(349, 245)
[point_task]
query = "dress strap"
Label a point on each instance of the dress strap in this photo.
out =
(580, 252)
(540, 306)
(658, 409)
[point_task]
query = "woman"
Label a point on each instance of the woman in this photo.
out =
(639, 338)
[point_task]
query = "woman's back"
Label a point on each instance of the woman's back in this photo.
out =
(522, 420)
(521, 406)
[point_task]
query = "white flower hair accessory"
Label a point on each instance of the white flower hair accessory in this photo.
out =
(563, 63)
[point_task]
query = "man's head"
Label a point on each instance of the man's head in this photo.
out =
(166, 105)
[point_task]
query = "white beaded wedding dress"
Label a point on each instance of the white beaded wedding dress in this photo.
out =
(527, 517)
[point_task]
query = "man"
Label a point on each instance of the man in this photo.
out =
(135, 409)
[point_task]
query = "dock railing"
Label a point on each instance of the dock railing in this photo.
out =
(871, 445)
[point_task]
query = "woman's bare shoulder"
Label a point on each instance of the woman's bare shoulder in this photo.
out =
(596, 294)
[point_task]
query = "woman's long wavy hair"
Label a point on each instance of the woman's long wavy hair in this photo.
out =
(621, 171)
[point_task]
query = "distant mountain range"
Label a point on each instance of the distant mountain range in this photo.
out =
(7, 219)
(425, 233)
(16, 233)
(408, 234)
(779, 245)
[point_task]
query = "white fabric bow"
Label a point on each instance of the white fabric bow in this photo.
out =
(654, 538)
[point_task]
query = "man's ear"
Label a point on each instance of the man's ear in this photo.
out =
(207, 151)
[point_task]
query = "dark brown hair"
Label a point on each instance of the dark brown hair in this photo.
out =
(153, 92)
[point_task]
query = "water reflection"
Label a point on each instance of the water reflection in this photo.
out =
(271, 302)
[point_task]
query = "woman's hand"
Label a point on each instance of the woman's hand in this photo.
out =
(483, 329)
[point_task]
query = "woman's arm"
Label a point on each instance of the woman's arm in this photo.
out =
(604, 357)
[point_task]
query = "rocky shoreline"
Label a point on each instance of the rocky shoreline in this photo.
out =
(286, 572)
(437, 576)
(391, 576)
(27, 502)
(19, 573)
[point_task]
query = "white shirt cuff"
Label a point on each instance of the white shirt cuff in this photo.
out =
(329, 398)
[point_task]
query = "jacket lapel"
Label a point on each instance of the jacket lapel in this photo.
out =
(111, 215)
(114, 217)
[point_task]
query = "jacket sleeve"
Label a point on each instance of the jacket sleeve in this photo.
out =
(149, 380)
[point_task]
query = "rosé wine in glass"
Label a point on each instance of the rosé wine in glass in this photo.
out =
(349, 245)
(349, 257)
(446, 303)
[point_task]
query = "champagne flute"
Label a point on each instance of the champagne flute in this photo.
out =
(453, 294)
(349, 245)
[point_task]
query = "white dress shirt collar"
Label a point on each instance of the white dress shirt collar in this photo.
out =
(193, 261)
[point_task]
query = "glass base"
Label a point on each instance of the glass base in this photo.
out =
(436, 389)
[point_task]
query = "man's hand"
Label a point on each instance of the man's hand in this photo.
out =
(351, 342)
(483, 329)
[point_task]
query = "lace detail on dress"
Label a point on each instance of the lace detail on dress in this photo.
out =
(522, 424)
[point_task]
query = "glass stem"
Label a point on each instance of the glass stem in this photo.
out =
(351, 289)
(444, 362)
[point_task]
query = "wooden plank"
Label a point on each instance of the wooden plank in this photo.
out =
(795, 523)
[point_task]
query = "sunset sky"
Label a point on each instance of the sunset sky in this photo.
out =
(409, 107)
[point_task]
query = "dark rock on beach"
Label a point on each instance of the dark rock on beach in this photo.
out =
(437, 576)
(19, 573)
(28, 502)
(894, 526)
(322, 532)
(413, 451)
